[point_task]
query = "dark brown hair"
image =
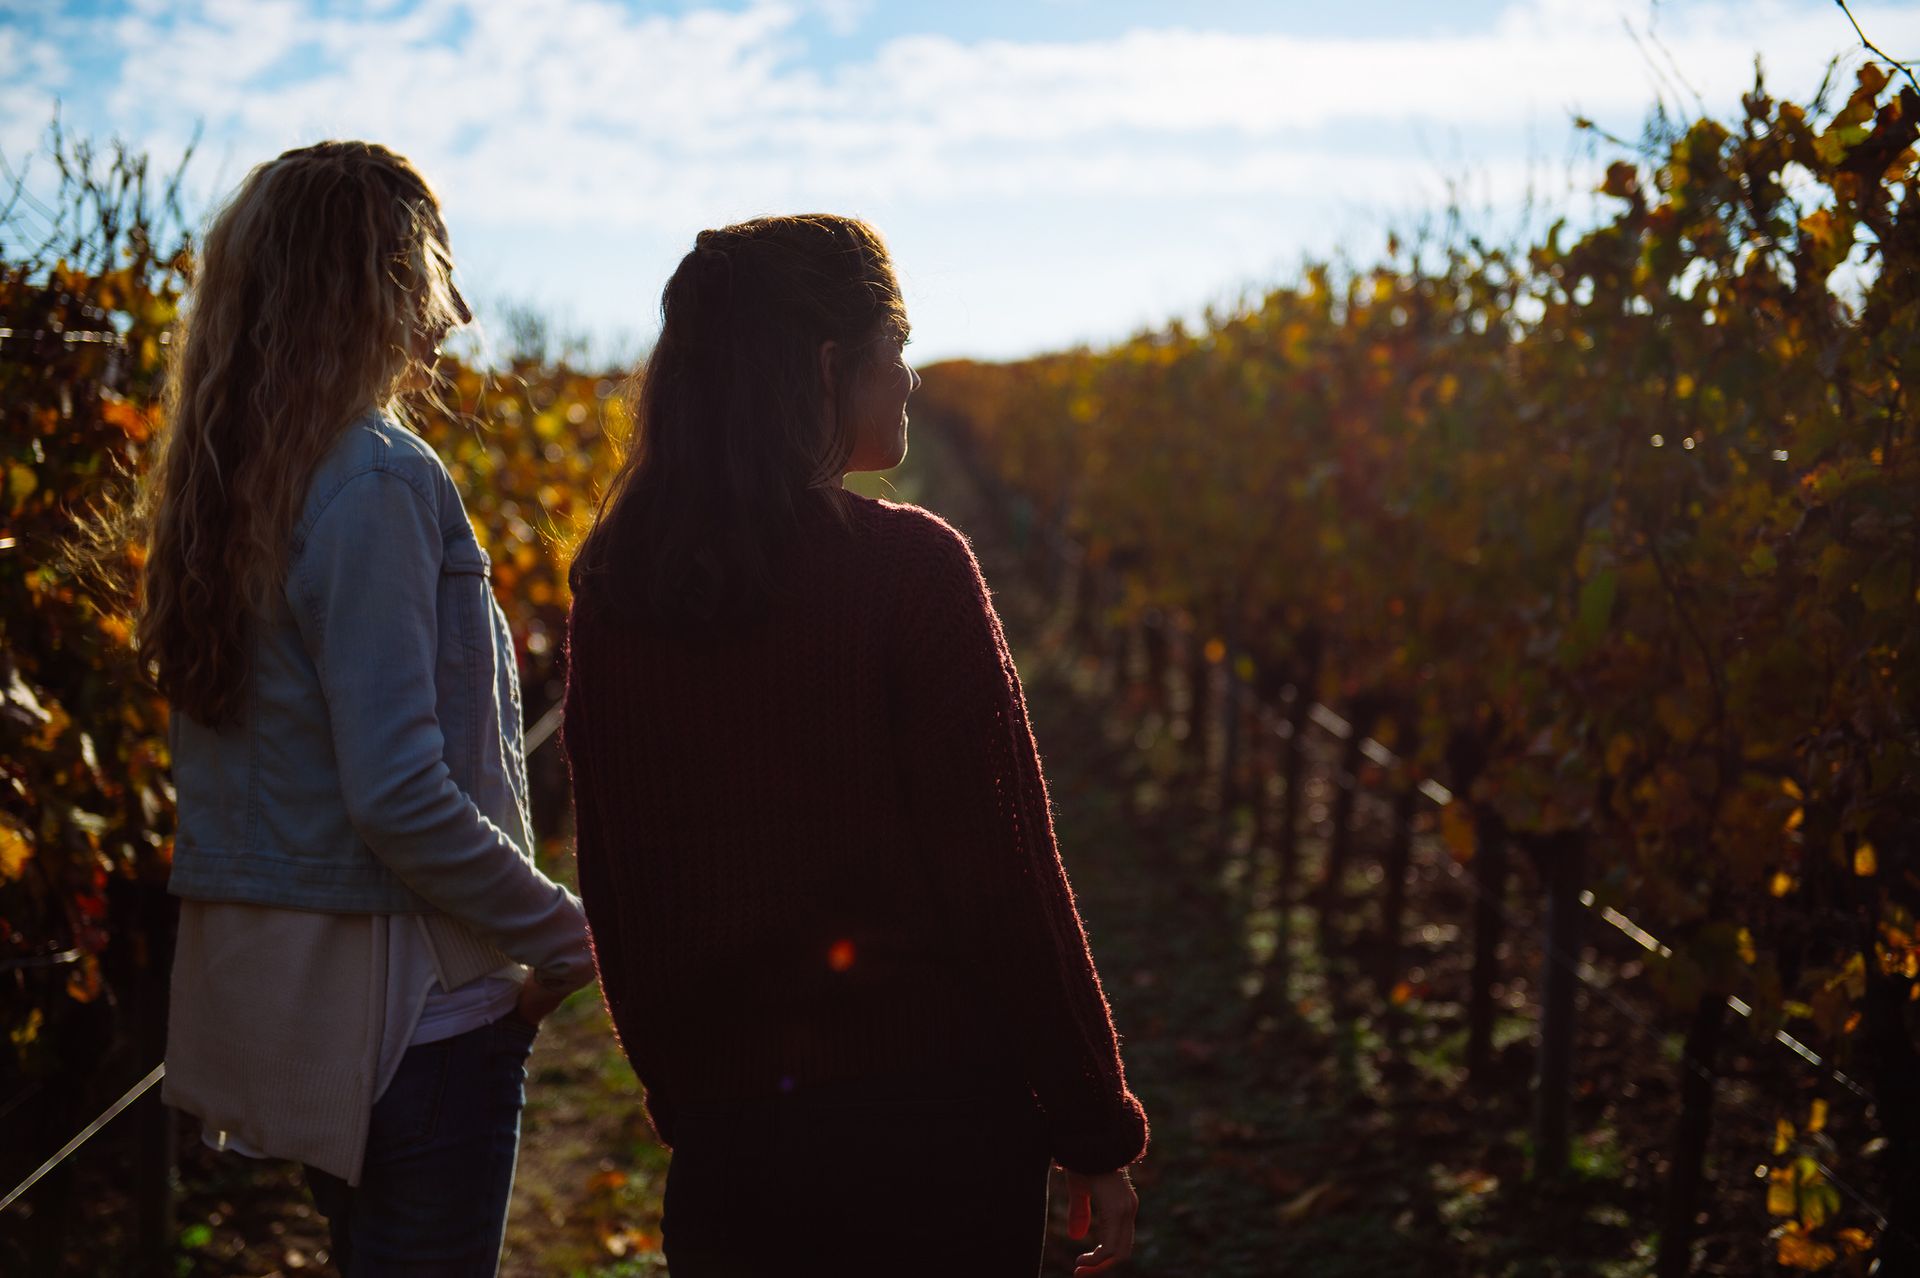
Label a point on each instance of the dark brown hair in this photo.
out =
(729, 444)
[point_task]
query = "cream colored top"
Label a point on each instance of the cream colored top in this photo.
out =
(286, 1025)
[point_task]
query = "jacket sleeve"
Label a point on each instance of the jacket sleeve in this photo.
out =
(981, 811)
(366, 589)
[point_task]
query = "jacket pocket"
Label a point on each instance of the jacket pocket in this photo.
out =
(465, 657)
(466, 587)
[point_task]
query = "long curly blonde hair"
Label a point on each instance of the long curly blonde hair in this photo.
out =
(319, 281)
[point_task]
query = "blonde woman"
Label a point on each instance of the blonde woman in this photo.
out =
(366, 947)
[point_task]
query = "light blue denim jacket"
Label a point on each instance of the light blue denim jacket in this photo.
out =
(378, 764)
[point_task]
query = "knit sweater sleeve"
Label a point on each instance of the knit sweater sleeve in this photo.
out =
(981, 813)
(607, 921)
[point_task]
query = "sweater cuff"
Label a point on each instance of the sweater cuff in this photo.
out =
(1099, 1137)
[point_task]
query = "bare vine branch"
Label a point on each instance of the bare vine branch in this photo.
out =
(1875, 49)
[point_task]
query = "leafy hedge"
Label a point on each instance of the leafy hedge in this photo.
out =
(1626, 516)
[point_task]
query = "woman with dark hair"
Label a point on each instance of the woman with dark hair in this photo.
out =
(366, 947)
(815, 845)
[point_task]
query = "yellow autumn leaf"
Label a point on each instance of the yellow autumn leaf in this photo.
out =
(1781, 884)
(1817, 1120)
(23, 1034)
(1852, 977)
(1865, 863)
(1781, 1200)
(15, 851)
(21, 483)
(1782, 1137)
(1744, 939)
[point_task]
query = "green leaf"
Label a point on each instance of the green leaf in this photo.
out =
(1596, 607)
(1885, 585)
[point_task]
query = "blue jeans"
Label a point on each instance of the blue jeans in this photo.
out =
(432, 1198)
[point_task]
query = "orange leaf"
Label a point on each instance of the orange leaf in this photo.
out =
(1457, 831)
(1797, 1251)
(83, 986)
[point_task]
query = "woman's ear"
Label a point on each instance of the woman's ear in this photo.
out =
(828, 350)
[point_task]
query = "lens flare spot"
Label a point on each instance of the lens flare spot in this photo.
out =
(840, 955)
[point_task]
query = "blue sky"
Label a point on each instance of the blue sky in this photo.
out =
(1046, 172)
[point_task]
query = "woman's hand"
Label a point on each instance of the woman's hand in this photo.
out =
(1108, 1203)
(536, 1001)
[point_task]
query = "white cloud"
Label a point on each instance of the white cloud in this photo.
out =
(582, 102)
(843, 17)
(27, 66)
(574, 118)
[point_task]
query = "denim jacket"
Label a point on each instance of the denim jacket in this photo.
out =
(378, 764)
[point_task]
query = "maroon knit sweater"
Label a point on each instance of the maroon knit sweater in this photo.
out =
(818, 854)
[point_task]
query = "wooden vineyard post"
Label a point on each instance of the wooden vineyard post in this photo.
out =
(154, 1171)
(1393, 905)
(1232, 703)
(1060, 558)
(1340, 840)
(1113, 635)
(1489, 877)
(1153, 635)
(1265, 691)
(1019, 518)
(1699, 1069)
(1199, 692)
(1296, 701)
(1397, 860)
(1896, 1066)
(1562, 859)
(1086, 607)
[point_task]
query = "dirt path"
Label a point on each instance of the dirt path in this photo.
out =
(586, 1197)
